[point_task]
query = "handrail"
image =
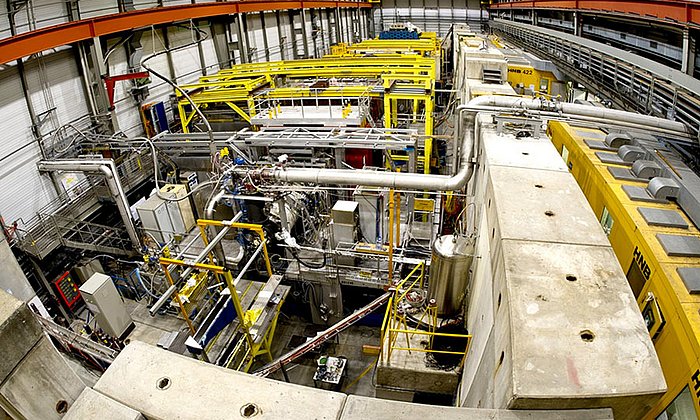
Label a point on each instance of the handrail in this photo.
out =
(394, 322)
(676, 11)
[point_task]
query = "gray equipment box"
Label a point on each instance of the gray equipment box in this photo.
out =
(103, 300)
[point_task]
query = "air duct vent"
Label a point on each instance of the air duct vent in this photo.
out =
(646, 169)
(630, 153)
(663, 188)
(492, 76)
(615, 140)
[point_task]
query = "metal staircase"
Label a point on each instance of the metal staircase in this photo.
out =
(62, 222)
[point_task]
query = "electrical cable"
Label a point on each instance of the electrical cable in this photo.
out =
(138, 277)
(308, 265)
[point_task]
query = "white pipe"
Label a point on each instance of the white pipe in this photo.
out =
(402, 180)
(109, 170)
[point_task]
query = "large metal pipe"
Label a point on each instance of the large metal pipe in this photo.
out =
(107, 168)
(466, 118)
(211, 230)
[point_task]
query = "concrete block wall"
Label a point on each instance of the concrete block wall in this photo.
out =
(35, 380)
(566, 329)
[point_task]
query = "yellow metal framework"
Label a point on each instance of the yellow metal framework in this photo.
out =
(407, 72)
(254, 348)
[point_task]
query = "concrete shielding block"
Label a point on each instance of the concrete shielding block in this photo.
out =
(93, 405)
(163, 385)
(19, 332)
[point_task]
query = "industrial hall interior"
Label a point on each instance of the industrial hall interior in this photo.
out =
(350, 209)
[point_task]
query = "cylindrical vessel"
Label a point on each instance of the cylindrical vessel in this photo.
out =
(449, 272)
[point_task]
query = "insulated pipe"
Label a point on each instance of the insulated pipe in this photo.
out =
(109, 170)
(209, 213)
(402, 180)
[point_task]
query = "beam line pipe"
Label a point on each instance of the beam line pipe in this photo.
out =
(465, 167)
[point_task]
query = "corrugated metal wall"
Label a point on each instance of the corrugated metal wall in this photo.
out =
(23, 191)
(55, 85)
(429, 15)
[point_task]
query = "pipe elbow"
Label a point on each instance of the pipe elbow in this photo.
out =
(106, 171)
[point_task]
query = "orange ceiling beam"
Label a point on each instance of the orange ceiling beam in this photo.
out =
(29, 43)
(679, 11)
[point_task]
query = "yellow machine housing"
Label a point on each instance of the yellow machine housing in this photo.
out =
(670, 311)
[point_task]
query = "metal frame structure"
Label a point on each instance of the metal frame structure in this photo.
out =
(255, 347)
(671, 11)
(402, 76)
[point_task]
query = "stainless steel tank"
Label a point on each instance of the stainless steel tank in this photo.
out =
(449, 272)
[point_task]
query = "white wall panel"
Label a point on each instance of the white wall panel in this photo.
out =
(158, 90)
(61, 89)
(186, 60)
(19, 176)
(126, 109)
(211, 61)
(309, 30)
(273, 40)
(145, 4)
(42, 14)
(93, 8)
(177, 2)
(287, 40)
(347, 25)
(325, 29)
(4, 21)
(255, 37)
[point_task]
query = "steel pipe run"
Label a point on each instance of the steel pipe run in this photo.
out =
(109, 170)
(467, 146)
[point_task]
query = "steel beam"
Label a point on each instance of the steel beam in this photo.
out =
(25, 44)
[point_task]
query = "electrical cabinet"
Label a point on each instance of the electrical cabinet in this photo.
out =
(184, 206)
(345, 219)
(103, 300)
(156, 219)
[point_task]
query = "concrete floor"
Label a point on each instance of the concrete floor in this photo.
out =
(348, 344)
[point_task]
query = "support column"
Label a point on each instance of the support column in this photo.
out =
(242, 44)
(577, 24)
(200, 50)
(264, 31)
(82, 62)
(338, 25)
(428, 150)
(100, 69)
(295, 50)
(280, 36)
(220, 39)
(168, 55)
(688, 54)
(305, 34)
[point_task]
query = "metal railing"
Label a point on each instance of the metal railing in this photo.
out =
(395, 324)
(45, 231)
